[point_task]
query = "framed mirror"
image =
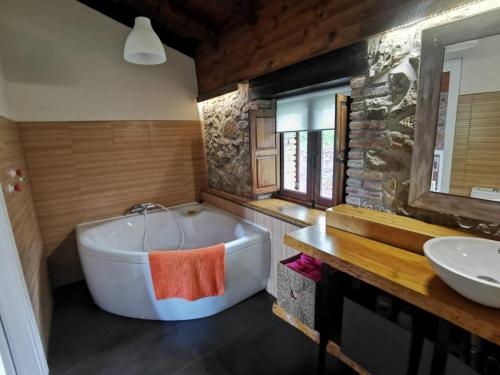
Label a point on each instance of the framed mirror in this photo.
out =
(456, 156)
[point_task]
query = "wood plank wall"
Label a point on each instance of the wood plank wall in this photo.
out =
(476, 151)
(83, 171)
(25, 227)
(289, 31)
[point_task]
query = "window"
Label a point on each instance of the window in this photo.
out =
(327, 159)
(308, 162)
(307, 125)
(295, 161)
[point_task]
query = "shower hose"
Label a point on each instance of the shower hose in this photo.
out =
(179, 225)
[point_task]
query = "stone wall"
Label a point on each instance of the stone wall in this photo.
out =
(382, 123)
(227, 138)
(382, 128)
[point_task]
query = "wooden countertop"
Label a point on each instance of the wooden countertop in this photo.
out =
(401, 273)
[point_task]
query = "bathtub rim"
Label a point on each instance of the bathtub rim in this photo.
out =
(141, 257)
(132, 215)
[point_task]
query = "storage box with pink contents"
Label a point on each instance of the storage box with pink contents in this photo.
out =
(298, 287)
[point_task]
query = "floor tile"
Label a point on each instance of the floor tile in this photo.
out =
(212, 332)
(246, 339)
(193, 368)
(273, 348)
(81, 329)
(161, 352)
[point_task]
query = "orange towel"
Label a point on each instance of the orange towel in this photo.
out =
(188, 274)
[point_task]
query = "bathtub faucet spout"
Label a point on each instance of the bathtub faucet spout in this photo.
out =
(142, 208)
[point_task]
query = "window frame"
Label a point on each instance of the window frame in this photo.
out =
(320, 200)
(340, 150)
(313, 195)
(293, 194)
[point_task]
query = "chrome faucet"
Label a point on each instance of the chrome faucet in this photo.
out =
(142, 208)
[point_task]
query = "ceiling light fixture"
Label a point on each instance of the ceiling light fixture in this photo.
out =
(143, 46)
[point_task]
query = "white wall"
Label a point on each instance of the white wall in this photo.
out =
(454, 67)
(3, 96)
(480, 66)
(62, 61)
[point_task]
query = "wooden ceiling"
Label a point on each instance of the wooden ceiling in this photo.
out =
(291, 31)
(182, 24)
(237, 40)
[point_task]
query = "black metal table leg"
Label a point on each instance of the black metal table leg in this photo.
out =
(330, 311)
(441, 347)
(322, 317)
(417, 342)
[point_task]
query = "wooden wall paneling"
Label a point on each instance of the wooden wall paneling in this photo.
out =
(462, 127)
(25, 227)
(51, 165)
(277, 230)
(482, 167)
(291, 31)
(476, 150)
(84, 171)
(265, 151)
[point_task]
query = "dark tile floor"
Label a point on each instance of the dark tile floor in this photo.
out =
(245, 339)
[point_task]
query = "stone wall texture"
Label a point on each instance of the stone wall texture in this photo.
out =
(227, 138)
(382, 123)
(382, 127)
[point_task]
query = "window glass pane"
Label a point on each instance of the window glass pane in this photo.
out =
(295, 161)
(327, 161)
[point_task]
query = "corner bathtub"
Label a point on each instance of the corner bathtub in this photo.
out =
(117, 269)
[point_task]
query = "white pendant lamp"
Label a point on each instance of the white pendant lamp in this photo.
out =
(143, 45)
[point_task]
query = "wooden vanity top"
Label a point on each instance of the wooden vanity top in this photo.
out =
(399, 272)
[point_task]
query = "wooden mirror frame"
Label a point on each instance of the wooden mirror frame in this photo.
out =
(431, 66)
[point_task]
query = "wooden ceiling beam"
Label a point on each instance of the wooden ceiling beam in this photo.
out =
(173, 13)
(245, 9)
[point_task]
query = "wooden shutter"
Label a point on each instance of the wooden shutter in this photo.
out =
(265, 150)
(341, 149)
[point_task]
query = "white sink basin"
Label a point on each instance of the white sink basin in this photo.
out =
(471, 266)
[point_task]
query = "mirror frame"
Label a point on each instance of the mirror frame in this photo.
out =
(431, 65)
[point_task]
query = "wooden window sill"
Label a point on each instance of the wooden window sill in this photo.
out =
(289, 211)
(285, 210)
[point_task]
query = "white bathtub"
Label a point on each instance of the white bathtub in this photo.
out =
(117, 269)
